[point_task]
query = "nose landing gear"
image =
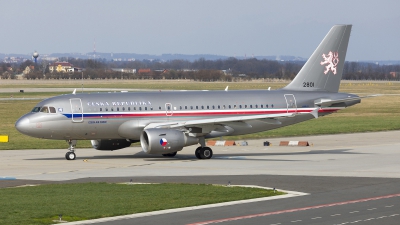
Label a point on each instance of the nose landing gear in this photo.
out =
(71, 154)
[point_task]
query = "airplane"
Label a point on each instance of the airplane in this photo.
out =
(165, 122)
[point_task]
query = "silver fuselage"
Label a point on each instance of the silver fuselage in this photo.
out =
(125, 115)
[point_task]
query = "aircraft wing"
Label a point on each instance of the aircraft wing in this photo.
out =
(329, 102)
(215, 123)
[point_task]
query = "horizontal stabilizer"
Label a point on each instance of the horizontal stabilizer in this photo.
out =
(329, 102)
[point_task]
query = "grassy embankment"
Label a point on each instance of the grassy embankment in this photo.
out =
(42, 204)
(373, 114)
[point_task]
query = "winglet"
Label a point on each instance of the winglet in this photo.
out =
(226, 89)
(74, 91)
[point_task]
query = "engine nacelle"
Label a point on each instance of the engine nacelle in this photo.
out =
(163, 141)
(110, 145)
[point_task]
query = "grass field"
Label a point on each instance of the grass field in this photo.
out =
(373, 114)
(42, 204)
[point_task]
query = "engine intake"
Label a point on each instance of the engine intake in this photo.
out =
(163, 141)
(110, 145)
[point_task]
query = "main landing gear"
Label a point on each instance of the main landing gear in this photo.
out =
(203, 153)
(71, 154)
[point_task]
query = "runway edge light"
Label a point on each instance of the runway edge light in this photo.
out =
(3, 138)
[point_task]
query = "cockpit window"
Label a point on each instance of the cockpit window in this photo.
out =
(44, 109)
(36, 109)
(52, 109)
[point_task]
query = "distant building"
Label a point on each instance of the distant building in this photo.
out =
(60, 67)
(28, 69)
(144, 71)
(124, 70)
(74, 69)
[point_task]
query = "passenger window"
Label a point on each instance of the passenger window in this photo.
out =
(117, 108)
(229, 106)
(123, 108)
(185, 107)
(266, 105)
(140, 108)
(191, 107)
(151, 108)
(52, 110)
(180, 107)
(202, 107)
(245, 106)
(197, 107)
(240, 106)
(251, 106)
(219, 107)
(101, 109)
(112, 109)
(129, 108)
(134, 108)
(262, 106)
(145, 108)
(256, 106)
(106, 110)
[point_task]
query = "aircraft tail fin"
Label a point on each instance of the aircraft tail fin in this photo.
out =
(323, 70)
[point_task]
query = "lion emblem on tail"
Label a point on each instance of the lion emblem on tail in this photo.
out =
(332, 59)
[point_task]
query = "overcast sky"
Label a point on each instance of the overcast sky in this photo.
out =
(220, 27)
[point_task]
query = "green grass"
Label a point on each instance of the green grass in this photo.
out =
(42, 204)
(373, 114)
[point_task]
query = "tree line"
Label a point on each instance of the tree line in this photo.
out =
(230, 69)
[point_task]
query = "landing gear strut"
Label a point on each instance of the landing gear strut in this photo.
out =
(71, 154)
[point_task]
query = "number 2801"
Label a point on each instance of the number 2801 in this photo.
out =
(308, 84)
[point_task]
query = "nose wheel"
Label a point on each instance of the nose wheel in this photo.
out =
(71, 154)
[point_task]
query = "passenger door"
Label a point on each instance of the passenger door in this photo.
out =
(76, 110)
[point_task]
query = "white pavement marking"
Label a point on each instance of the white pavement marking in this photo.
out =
(160, 212)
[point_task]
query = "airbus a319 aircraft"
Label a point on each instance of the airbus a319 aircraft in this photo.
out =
(165, 122)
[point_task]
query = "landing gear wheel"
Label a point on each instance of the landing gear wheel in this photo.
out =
(197, 152)
(70, 156)
(172, 154)
(206, 153)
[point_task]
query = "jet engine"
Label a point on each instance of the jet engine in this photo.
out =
(110, 145)
(164, 141)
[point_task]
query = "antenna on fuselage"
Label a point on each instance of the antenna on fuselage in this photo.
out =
(226, 89)
(74, 91)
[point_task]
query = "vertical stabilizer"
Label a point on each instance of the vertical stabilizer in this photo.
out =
(323, 70)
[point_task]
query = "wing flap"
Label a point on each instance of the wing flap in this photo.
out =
(237, 120)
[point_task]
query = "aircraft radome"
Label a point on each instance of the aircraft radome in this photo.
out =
(165, 122)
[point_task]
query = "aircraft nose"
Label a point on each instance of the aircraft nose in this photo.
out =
(23, 125)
